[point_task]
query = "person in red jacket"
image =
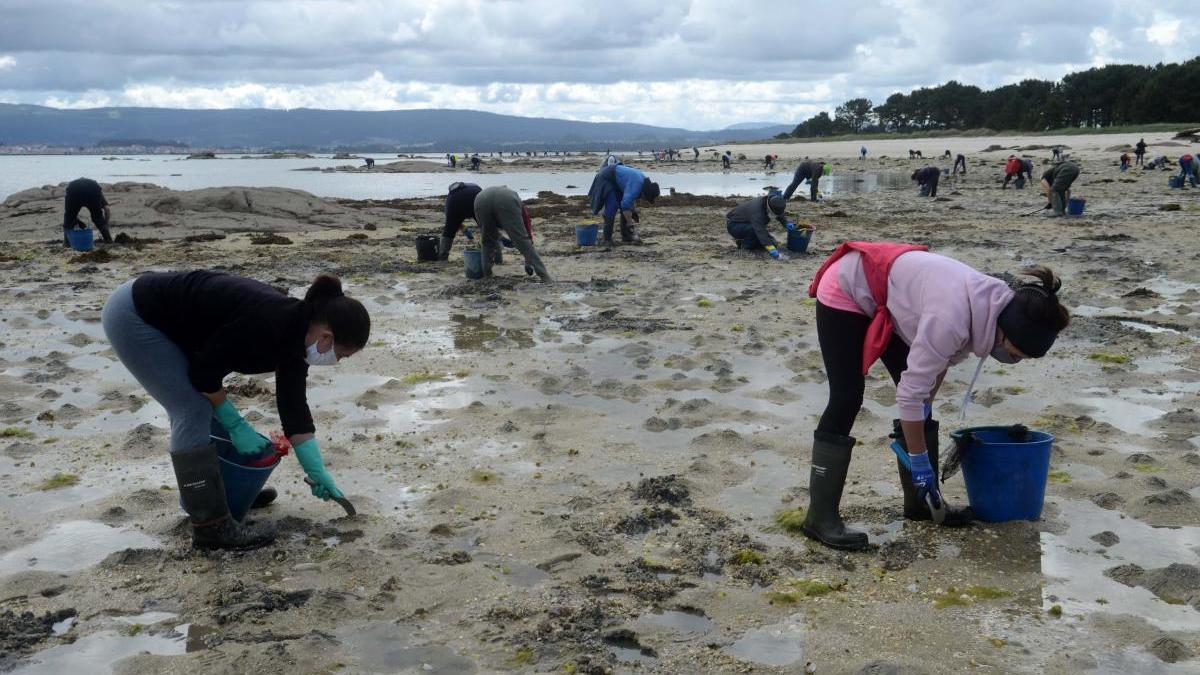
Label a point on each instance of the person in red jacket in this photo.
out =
(1012, 169)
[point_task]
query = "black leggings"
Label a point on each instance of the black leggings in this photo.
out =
(842, 336)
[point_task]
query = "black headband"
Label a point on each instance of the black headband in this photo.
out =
(1032, 338)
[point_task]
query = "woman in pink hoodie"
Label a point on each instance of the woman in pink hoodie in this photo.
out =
(920, 313)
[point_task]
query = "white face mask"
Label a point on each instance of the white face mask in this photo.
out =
(317, 358)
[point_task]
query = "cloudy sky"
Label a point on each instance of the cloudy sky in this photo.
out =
(700, 64)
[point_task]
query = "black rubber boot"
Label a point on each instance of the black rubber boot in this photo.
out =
(444, 245)
(265, 498)
(203, 495)
(917, 509)
(830, 462)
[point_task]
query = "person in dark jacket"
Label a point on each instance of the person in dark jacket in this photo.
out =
(86, 193)
(727, 160)
(747, 223)
(1139, 152)
(1056, 184)
(181, 333)
(617, 189)
(927, 179)
(1026, 169)
(460, 205)
(960, 160)
(810, 170)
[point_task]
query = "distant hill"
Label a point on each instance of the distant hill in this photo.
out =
(751, 126)
(304, 129)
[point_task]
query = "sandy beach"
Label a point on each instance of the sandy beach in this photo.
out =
(586, 476)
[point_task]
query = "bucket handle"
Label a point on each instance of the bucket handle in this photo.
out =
(965, 438)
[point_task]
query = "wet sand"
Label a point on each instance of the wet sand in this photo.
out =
(585, 476)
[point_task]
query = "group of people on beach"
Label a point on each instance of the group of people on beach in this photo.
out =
(180, 334)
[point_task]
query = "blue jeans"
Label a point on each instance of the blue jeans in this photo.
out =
(1186, 170)
(160, 366)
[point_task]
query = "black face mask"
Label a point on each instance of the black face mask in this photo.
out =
(1001, 354)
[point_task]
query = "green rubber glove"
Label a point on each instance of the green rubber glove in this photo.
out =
(310, 459)
(245, 439)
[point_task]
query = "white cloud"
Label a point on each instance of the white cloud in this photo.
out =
(1164, 32)
(690, 63)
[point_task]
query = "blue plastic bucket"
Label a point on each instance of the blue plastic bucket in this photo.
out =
(1005, 477)
(798, 240)
(242, 483)
(1175, 182)
(474, 261)
(80, 239)
(1075, 206)
(585, 235)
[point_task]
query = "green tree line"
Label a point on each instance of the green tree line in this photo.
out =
(1097, 97)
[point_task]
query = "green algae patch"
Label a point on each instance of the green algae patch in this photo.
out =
(413, 379)
(15, 432)
(968, 596)
(1060, 477)
(704, 302)
(59, 481)
(748, 556)
(523, 657)
(1109, 358)
(484, 477)
(791, 520)
(795, 590)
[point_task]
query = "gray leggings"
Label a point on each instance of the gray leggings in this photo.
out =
(160, 366)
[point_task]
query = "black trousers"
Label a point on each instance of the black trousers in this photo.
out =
(842, 336)
(75, 204)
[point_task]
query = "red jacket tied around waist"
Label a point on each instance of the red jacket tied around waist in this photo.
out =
(877, 259)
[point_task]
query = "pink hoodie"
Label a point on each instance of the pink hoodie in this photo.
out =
(943, 309)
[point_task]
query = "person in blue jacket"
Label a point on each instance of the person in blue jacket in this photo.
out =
(617, 188)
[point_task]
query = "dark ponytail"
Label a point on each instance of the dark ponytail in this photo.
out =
(346, 317)
(1035, 316)
(1039, 300)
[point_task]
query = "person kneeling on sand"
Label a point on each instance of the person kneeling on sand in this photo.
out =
(617, 188)
(1056, 185)
(747, 223)
(920, 313)
(181, 333)
(927, 179)
(499, 208)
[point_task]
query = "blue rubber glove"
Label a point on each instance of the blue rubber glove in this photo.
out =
(310, 459)
(922, 475)
(470, 236)
(791, 227)
(774, 252)
(245, 439)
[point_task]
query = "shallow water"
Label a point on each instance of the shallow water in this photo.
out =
(779, 644)
(96, 653)
(685, 623)
(1074, 572)
(73, 545)
(23, 172)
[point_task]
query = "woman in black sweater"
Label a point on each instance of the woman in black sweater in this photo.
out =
(180, 334)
